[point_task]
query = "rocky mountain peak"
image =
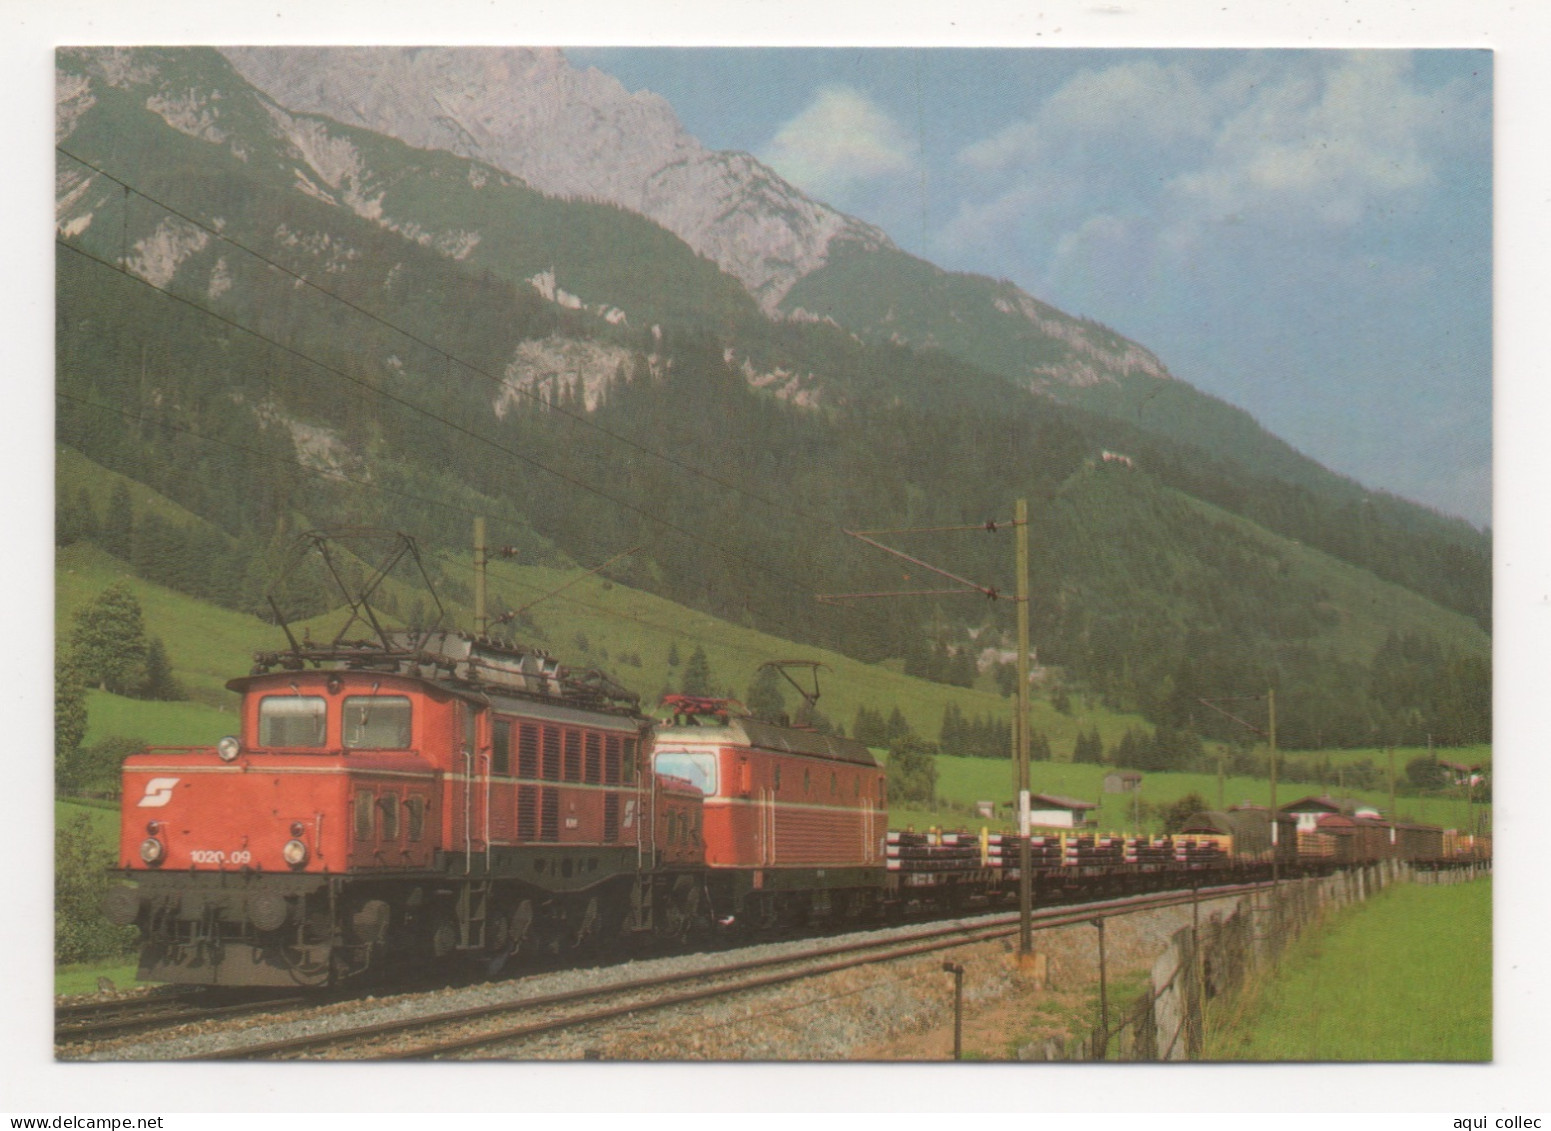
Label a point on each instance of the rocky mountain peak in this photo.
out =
(569, 133)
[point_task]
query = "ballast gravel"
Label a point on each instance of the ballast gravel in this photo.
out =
(841, 1016)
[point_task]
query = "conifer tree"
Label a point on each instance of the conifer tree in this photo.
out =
(69, 719)
(108, 643)
(159, 681)
(697, 675)
(118, 526)
(869, 727)
(765, 699)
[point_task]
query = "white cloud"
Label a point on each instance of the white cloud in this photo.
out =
(1292, 140)
(1016, 144)
(981, 223)
(1130, 107)
(1322, 144)
(1098, 235)
(840, 138)
(1142, 99)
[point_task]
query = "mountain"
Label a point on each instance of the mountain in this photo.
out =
(580, 135)
(278, 319)
(569, 133)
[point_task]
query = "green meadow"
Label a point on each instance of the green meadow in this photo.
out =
(1404, 976)
(963, 781)
(634, 635)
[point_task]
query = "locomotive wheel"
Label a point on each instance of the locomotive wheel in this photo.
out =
(444, 937)
(766, 916)
(509, 930)
(498, 930)
(588, 921)
(309, 958)
(521, 924)
(679, 906)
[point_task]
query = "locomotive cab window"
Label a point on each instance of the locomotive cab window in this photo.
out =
(388, 825)
(697, 769)
(292, 720)
(377, 722)
(364, 814)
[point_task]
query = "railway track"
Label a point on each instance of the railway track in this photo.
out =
(491, 1029)
(79, 1022)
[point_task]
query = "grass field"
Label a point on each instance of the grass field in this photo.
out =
(160, 724)
(103, 816)
(626, 632)
(1405, 976)
(967, 780)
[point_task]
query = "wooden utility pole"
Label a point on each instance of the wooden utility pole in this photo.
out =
(1276, 866)
(481, 622)
(1021, 745)
(1021, 724)
(1391, 813)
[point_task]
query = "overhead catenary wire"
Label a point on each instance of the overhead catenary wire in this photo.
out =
(501, 382)
(736, 555)
(445, 559)
(409, 335)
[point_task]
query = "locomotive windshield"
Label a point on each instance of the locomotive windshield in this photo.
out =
(292, 720)
(698, 769)
(377, 722)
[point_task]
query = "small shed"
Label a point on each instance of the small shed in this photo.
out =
(1049, 811)
(1463, 774)
(1310, 811)
(1122, 781)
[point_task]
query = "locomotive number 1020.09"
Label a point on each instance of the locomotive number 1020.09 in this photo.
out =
(214, 856)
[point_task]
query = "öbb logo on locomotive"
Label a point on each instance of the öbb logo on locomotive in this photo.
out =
(158, 791)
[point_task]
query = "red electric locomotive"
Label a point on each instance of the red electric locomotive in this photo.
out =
(414, 797)
(410, 798)
(795, 820)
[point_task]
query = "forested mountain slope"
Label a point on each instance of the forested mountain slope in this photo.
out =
(283, 322)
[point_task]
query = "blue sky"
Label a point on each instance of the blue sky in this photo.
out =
(1306, 234)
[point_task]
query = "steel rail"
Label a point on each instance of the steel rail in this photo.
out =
(889, 951)
(885, 953)
(934, 938)
(70, 1010)
(82, 1025)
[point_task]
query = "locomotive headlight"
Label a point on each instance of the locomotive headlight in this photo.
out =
(294, 853)
(152, 850)
(228, 748)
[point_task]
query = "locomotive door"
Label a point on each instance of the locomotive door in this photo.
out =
(767, 813)
(473, 811)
